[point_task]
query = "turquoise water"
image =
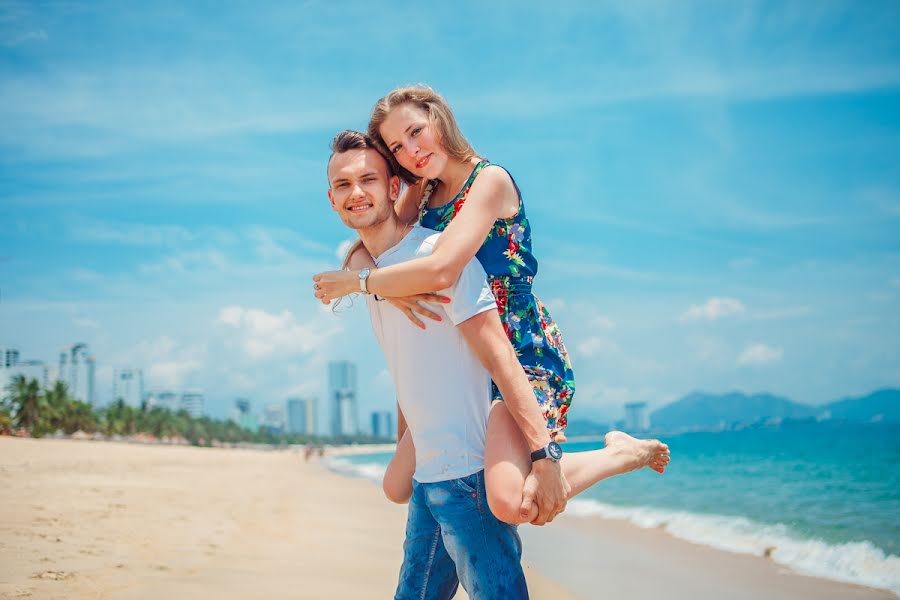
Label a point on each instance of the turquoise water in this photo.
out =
(836, 484)
(823, 498)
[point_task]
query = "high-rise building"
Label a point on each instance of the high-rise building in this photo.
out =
(162, 399)
(312, 416)
(9, 357)
(276, 420)
(296, 415)
(11, 365)
(193, 403)
(76, 369)
(342, 397)
(301, 416)
(636, 418)
(242, 415)
(128, 384)
(382, 424)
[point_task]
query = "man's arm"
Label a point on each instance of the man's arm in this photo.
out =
(485, 337)
(401, 424)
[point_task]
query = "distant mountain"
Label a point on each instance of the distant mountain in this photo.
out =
(882, 405)
(712, 411)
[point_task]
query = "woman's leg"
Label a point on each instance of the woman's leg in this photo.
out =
(508, 462)
(397, 482)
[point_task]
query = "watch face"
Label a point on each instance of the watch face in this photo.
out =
(554, 450)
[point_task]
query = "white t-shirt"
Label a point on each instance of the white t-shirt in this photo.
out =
(443, 390)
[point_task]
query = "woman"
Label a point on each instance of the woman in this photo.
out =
(480, 210)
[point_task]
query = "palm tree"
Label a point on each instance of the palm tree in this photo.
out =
(25, 397)
(79, 416)
(57, 401)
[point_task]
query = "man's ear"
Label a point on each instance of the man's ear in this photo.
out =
(395, 188)
(331, 199)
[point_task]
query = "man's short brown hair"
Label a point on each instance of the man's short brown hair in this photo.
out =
(354, 140)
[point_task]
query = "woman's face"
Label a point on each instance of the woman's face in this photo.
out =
(410, 135)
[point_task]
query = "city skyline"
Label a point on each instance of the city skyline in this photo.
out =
(128, 385)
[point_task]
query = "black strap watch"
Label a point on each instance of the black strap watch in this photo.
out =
(552, 451)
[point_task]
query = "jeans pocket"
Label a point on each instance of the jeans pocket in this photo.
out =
(467, 484)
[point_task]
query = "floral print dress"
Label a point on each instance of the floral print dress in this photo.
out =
(510, 266)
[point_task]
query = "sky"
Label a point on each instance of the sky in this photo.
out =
(713, 188)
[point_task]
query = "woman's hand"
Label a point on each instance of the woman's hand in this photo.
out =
(332, 285)
(409, 305)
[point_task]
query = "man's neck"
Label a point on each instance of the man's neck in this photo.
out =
(383, 236)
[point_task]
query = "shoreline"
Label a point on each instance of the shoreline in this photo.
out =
(637, 562)
(127, 521)
(582, 515)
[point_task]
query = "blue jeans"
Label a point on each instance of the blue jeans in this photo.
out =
(452, 537)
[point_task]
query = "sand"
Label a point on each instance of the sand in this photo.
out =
(123, 521)
(102, 520)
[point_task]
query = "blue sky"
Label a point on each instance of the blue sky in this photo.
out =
(714, 188)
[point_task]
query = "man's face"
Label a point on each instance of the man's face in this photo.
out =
(362, 192)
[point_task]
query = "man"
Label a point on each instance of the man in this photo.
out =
(443, 380)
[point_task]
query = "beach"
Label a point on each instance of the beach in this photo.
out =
(84, 519)
(96, 520)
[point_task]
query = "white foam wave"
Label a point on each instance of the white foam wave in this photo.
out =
(853, 562)
(342, 466)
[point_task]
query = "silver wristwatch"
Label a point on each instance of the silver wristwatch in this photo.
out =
(363, 276)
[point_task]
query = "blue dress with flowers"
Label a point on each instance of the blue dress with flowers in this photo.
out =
(510, 266)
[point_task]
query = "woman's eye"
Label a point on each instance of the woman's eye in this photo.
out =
(395, 149)
(416, 131)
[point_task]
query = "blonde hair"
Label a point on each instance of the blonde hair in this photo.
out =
(439, 113)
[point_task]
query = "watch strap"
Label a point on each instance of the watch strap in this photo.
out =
(363, 280)
(539, 454)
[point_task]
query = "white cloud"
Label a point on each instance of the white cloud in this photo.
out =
(555, 304)
(343, 248)
(602, 322)
(715, 308)
(172, 374)
(596, 346)
(760, 354)
(261, 334)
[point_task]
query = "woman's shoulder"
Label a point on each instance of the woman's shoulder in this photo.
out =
(493, 179)
(495, 187)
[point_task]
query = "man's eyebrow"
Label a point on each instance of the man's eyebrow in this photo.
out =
(361, 175)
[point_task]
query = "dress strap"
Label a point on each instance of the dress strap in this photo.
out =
(426, 194)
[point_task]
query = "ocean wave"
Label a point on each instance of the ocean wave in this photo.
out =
(853, 562)
(371, 471)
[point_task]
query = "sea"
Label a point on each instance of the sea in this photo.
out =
(820, 498)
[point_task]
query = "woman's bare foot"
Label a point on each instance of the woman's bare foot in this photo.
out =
(637, 453)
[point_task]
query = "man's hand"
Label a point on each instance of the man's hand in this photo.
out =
(545, 486)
